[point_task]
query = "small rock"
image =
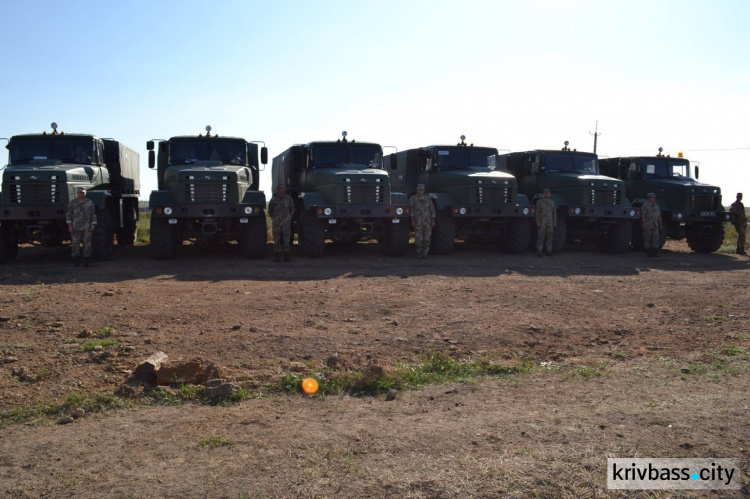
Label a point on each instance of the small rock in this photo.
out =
(22, 316)
(130, 389)
(333, 360)
(4, 318)
(685, 370)
(98, 348)
(298, 367)
(9, 359)
(85, 333)
(65, 420)
(216, 388)
(235, 327)
(391, 395)
(56, 324)
(651, 305)
(152, 328)
(253, 329)
(109, 292)
(77, 412)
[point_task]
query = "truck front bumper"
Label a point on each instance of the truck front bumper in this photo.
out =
(36, 213)
(362, 211)
(208, 211)
(598, 211)
(691, 216)
(493, 211)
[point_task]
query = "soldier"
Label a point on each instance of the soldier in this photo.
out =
(422, 220)
(739, 220)
(651, 225)
(81, 220)
(281, 209)
(546, 220)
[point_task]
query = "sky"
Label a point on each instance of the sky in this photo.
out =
(516, 75)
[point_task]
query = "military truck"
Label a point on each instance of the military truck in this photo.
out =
(43, 174)
(472, 201)
(590, 206)
(690, 210)
(207, 193)
(342, 193)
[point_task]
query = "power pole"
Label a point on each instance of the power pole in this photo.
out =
(595, 134)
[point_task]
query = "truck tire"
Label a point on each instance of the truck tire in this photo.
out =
(162, 245)
(396, 239)
(103, 239)
(559, 234)
(254, 238)
(618, 237)
(8, 245)
(443, 234)
(706, 243)
(517, 236)
(52, 240)
(311, 237)
(126, 235)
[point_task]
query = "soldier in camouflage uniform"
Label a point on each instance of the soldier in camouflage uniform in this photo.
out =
(651, 225)
(739, 220)
(422, 220)
(81, 220)
(281, 209)
(546, 220)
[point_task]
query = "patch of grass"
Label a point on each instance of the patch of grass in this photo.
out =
(733, 351)
(89, 345)
(191, 392)
(730, 239)
(44, 412)
(586, 372)
(216, 441)
(143, 236)
(616, 354)
(105, 332)
(714, 318)
(11, 346)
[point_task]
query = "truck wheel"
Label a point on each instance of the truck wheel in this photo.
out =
(52, 240)
(103, 239)
(162, 243)
(443, 234)
(311, 237)
(517, 235)
(559, 234)
(618, 237)
(706, 243)
(254, 238)
(126, 235)
(8, 245)
(396, 239)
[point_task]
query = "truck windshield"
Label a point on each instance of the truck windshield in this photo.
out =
(665, 168)
(67, 151)
(228, 153)
(678, 168)
(338, 155)
(463, 158)
(566, 162)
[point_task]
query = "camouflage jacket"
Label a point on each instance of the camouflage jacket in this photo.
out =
(422, 209)
(281, 209)
(651, 215)
(81, 215)
(546, 212)
(738, 212)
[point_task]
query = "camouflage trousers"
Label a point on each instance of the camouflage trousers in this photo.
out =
(282, 235)
(422, 237)
(77, 237)
(741, 236)
(544, 236)
(651, 238)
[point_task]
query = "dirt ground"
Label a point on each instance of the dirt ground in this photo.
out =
(631, 356)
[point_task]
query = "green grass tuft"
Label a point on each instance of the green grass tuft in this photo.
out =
(89, 345)
(216, 441)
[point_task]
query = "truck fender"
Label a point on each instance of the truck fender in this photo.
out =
(442, 200)
(399, 198)
(522, 200)
(160, 198)
(99, 198)
(310, 199)
(255, 197)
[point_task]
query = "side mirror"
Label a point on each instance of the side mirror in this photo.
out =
(151, 158)
(150, 145)
(264, 155)
(394, 162)
(697, 171)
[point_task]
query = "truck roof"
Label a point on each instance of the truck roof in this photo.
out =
(559, 150)
(203, 137)
(338, 142)
(456, 146)
(61, 136)
(645, 157)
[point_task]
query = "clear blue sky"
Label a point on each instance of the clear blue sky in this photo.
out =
(514, 75)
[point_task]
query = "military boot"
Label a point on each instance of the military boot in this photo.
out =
(277, 256)
(287, 256)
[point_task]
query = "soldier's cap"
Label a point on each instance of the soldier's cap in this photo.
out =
(650, 195)
(280, 186)
(81, 189)
(545, 191)
(420, 186)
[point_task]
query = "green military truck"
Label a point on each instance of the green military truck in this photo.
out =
(43, 173)
(207, 193)
(472, 201)
(342, 193)
(690, 210)
(590, 206)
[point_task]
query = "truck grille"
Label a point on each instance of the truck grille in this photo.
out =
(707, 203)
(488, 195)
(605, 197)
(206, 192)
(363, 194)
(34, 193)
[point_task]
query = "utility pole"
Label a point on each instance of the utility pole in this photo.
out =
(595, 134)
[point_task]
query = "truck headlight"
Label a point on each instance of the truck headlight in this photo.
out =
(679, 216)
(248, 210)
(167, 210)
(632, 213)
(462, 211)
(525, 211)
(399, 211)
(577, 211)
(327, 211)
